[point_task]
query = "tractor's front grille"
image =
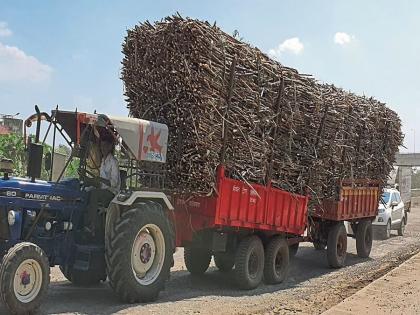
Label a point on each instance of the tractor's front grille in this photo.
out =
(4, 226)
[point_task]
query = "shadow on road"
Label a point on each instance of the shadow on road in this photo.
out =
(66, 298)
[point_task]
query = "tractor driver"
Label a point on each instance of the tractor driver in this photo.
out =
(108, 183)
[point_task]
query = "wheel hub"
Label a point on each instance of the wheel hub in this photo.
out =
(27, 281)
(25, 278)
(145, 253)
(148, 254)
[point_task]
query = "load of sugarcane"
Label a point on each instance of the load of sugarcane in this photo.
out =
(225, 101)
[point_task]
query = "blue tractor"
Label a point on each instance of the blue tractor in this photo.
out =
(43, 222)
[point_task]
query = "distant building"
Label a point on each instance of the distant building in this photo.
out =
(4, 130)
(10, 125)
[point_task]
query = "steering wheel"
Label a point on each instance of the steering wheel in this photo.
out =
(88, 178)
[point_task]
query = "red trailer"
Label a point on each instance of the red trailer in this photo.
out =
(243, 225)
(358, 205)
(252, 227)
(255, 228)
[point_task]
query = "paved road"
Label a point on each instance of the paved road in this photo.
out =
(311, 287)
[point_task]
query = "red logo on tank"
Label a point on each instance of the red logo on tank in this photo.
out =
(153, 139)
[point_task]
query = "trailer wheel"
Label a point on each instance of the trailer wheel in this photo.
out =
(337, 246)
(276, 264)
(24, 278)
(293, 249)
(197, 260)
(364, 236)
(249, 263)
(224, 261)
(139, 253)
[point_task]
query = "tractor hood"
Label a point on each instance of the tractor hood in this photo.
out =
(22, 190)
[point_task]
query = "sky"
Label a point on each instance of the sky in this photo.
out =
(69, 52)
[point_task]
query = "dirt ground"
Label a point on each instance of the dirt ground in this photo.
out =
(310, 288)
(395, 293)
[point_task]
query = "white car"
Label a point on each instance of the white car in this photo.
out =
(391, 214)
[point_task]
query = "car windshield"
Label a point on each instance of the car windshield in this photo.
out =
(385, 196)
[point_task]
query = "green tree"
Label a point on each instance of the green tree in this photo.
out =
(13, 147)
(71, 170)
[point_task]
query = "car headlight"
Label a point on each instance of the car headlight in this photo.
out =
(381, 210)
(11, 217)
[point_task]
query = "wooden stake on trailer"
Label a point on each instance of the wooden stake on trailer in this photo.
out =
(225, 122)
(277, 107)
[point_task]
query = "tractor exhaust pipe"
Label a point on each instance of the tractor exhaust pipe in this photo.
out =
(35, 151)
(38, 123)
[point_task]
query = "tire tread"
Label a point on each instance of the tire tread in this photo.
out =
(8, 267)
(120, 276)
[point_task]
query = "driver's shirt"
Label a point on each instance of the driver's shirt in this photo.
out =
(109, 170)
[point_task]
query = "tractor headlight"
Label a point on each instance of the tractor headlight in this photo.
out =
(11, 217)
(48, 225)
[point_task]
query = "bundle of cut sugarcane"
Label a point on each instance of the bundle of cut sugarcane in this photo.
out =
(225, 101)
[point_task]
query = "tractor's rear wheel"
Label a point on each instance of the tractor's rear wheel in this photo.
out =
(24, 278)
(139, 253)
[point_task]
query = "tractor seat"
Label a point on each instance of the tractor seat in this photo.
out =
(123, 177)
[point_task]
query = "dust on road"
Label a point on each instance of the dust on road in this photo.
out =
(310, 288)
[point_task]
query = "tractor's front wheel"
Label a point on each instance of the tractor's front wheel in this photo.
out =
(24, 278)
(139, 253)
